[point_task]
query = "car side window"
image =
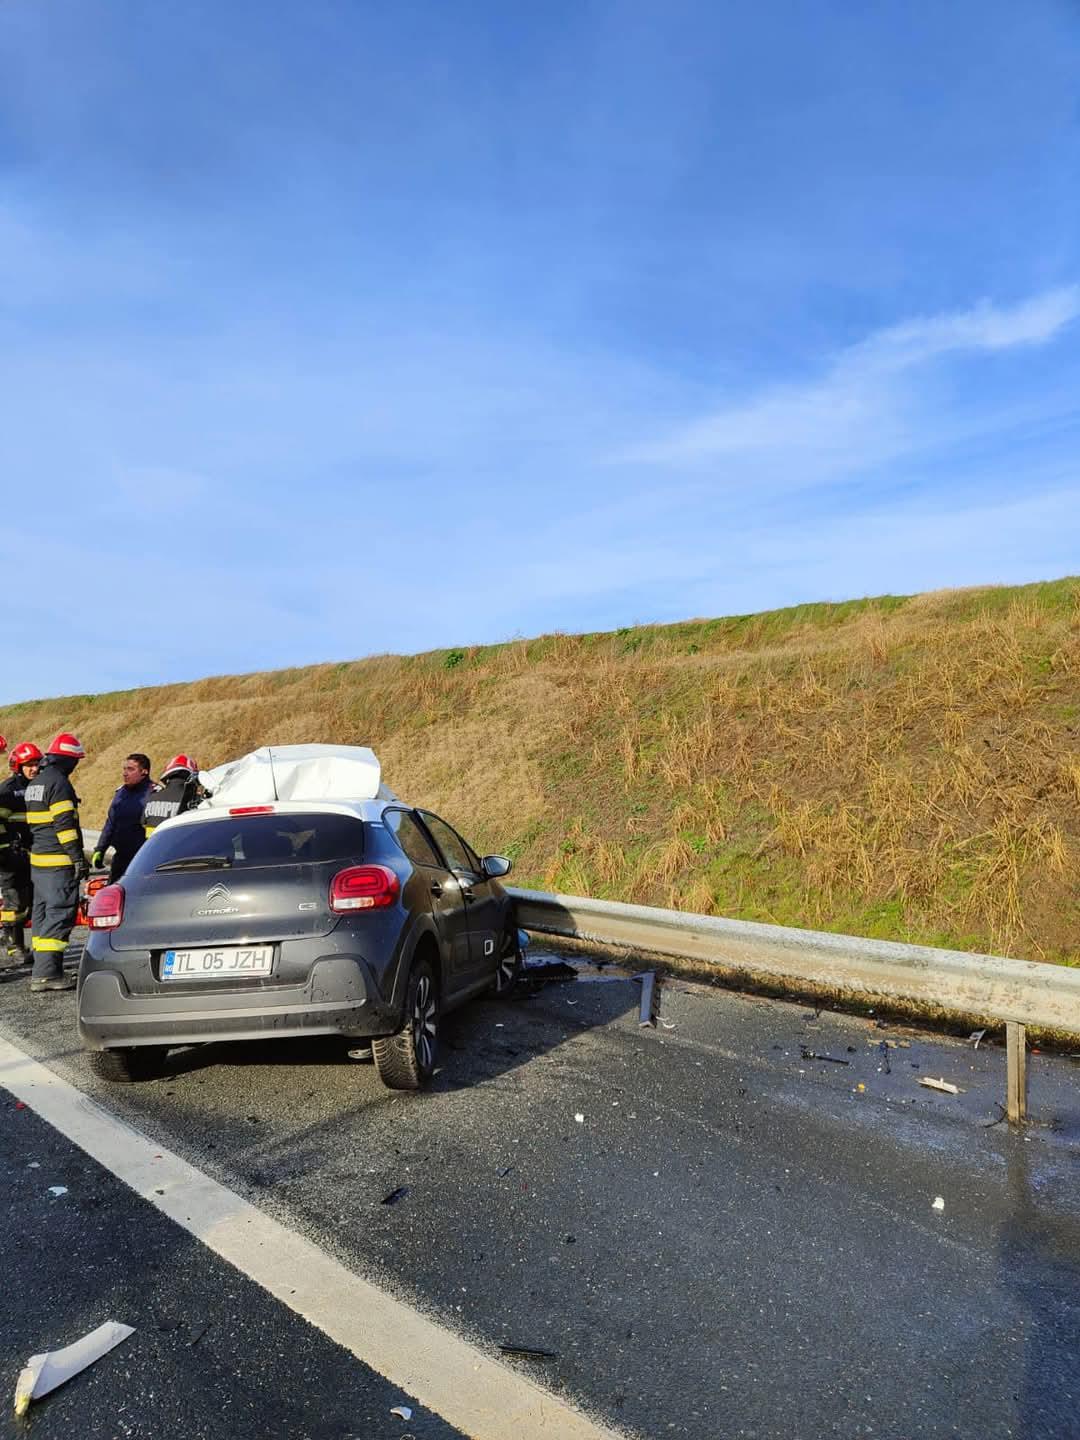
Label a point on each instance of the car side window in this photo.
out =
(411, 838)
(458, 854)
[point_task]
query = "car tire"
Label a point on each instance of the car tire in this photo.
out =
(511, 964)
(406, 1061)
(128, 1067)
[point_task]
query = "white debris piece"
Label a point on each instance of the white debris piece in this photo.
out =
(939, 1202)
(45, 1372)
(58, 1190)
(296, 772)
(580, 1118)
(947, 1086)
(403, 1412)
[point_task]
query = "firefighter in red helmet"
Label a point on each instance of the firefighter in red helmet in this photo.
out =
(16, 891)
(57, 861)
(180, 790)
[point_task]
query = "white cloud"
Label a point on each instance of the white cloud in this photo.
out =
(858, 412)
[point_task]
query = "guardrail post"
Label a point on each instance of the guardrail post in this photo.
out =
(1016, 1046)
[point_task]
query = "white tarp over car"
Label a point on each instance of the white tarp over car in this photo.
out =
(296, 772)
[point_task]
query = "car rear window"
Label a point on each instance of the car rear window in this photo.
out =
(250, 840)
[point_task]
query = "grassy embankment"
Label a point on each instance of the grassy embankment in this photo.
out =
(900, 767)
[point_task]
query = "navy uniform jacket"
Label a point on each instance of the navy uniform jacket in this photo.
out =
(124, 825)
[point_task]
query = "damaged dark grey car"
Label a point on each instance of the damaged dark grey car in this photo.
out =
(367, 920)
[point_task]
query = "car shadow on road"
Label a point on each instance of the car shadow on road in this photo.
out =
(553, 1001)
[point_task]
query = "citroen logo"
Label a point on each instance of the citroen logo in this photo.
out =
(218, 902)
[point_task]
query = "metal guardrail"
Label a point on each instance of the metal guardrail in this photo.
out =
(945, 984)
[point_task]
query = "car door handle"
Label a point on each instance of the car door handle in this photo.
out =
(466, 891)
(436, 889)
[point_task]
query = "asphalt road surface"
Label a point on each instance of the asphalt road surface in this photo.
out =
(714, 1235)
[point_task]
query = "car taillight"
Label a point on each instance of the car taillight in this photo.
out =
(106, 908)
(252, 810)
(364, 887)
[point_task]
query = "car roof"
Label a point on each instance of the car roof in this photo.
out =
(370, 810)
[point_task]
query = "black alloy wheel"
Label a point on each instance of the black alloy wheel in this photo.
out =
(406, 1061)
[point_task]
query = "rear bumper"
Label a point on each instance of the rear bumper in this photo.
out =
(339, 998)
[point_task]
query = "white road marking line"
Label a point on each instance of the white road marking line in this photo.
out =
(477, 1394)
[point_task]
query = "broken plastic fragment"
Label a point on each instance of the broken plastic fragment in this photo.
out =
(939, 1202)
(58, 1190)
(45, 1372)
(580, 1118)
(931, 1084)
(975, 1037)
(403, 1412)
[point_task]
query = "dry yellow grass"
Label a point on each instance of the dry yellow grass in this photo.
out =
(902, 767)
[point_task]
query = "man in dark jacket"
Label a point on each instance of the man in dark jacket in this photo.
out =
(16, 891)
(124, 825)
(179, 791)
(57, 861)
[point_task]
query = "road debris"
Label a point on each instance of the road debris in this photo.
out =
(362, 1053)
(45, 1372)
(395, 1195)
(199, 1335)
(813, 1055)
(939, 1202)
(505, 1171)
(58, 1190)
(548, 970)
(946, 1086)
(883, 1049)
(580, 1118)
(530, 1351)
(403, 1412)
(975, 1037)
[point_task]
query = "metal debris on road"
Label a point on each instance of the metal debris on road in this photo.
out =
(403, 1412)
(58, 1190)
(945, 1086)
(530, 1351)
(45, 1372)
(975, 1037)
(548, 970)
(884, 1050)
(395, 1195)
(813, 1055)
(361, 1053)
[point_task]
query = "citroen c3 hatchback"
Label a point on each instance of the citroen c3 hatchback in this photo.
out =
(367, 919)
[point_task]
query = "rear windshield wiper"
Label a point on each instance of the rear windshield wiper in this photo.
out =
(196, 862)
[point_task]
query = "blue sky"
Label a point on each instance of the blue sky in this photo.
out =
(339, 327)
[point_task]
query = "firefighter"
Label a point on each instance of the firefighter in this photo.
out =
(57, 861)
(180, 790)
(124, 826)
(16, 891)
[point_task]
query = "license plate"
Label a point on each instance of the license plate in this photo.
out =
(227, 964)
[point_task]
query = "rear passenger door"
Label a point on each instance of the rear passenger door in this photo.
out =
(443, 890)
(483, 904)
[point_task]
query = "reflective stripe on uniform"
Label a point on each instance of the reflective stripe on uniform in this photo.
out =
(67, 836)
(49, 862)
(42, 942)
(149, 830)
(39, 817)
(7, 917)
(60, 807)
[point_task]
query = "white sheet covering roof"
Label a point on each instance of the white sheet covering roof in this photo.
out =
(297, 772)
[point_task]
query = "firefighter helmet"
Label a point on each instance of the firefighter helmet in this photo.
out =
(179, 763)
(67, 744)
(25, 754)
